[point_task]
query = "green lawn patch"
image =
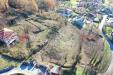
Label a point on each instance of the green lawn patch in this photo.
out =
(79, 70)
(5, 63)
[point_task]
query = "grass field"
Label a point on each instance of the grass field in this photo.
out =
(5, 63)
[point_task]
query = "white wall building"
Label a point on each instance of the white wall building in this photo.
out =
(8, 37)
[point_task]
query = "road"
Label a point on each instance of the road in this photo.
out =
(25, 72)
(110, 68)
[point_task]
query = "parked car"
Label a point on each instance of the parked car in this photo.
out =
(110, 20)
(78, 22)
(105, 11)
(65, 12)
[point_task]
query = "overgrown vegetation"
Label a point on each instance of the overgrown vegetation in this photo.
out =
(107, 31)
(63, 48)
(53, 32)
(106, 59)
(5, 63)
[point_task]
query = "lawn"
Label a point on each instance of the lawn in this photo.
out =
(78, 71)
(5, 63)
(39, 39)
(108, 31)
(73, 2)
(106, 58)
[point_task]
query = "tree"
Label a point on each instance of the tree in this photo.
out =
(46, 4)
(51, 3)
(26, 5)
(90, 5)
(53, 32)
(3, 5)
(28, 41)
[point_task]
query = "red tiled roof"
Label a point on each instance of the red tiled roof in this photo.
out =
(5, 35)
(23, 37)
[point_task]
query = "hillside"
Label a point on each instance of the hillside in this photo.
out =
(49, 38)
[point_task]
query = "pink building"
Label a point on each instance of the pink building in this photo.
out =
(56, 70)
(8, 37)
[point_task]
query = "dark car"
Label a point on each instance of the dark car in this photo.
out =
(105, 11)
(65, 12)
(78, 22)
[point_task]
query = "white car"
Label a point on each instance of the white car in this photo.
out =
(110, 20)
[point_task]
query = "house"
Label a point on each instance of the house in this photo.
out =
(56, 70)
(8, 37)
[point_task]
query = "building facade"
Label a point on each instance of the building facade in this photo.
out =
(8, 37)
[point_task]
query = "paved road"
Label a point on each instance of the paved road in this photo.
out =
(26, 72)
(110, 69)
